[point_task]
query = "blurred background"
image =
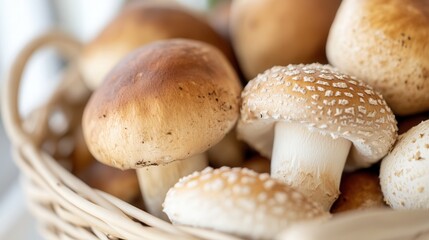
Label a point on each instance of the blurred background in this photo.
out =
(21, 21)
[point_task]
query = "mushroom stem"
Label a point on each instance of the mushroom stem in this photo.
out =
(155, 181)
(309, 161)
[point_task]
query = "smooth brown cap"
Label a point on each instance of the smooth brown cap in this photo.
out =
(324, 100)
(384, 43)
(166, 101)
(138, 24)
(280, 32)
(238, 201)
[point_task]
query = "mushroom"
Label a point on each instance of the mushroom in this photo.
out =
(309, 119)
(404, 172)
(168, 101)
(384, 43)
(238, 201)
(228, 152)
(258, 164)
(140, 23)
(121, 184)
(359, 190)
(280, 32)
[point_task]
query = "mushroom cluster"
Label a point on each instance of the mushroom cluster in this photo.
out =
(315, 129)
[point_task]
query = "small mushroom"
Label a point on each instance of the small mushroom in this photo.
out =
(404, 172)
(140, 23)
(122, 184)
(309, 119)
(228, 152)
(258, 164)
(168, 101)
(384, 43)
(238, 201)
(359, 190)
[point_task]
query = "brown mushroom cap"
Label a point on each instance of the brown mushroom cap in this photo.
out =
(359, 190)
(322, 99)
(238, 201)
(258, 164)
(385, 44)
(279, 32)
(138, 24)
(166, 101)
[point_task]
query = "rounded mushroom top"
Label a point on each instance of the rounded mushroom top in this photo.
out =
(166, 101)
(384, 43)
(238, 201)
(323, 99)
(138, 24)
(404, 172)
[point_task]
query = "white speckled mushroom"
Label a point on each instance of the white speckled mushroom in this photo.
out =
(168, 101)
(385, 43)
(404, 172)
(306, 118)
(238, 201)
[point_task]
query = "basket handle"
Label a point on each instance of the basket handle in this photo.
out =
(67, 46)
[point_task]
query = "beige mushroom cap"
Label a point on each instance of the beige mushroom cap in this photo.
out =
(166, 101)
(385, 44)
(238, 201)
(323, 99)
(279, 32)
(404, 172)
(138, 24)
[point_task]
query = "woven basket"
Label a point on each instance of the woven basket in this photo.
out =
(67, 208)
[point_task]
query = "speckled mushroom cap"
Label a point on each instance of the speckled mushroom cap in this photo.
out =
(324, 100)
(238, 201)
(166, 101)
(140, 23)
(404, 172)
(385, 43)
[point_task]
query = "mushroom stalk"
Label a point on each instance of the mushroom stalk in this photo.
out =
(314, 171)
(155, 181)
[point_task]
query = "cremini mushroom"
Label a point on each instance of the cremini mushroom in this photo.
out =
(404, 172)
(384, 43)
(238, 201)
(140, 23)
(308, 119)
(168, 101)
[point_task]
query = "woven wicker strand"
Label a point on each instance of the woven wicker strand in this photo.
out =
(65, 207)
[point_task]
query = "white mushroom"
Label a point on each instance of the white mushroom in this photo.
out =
(404, 172)
(309, 119)
(168, 101)
(238, 201)
(385, 43)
